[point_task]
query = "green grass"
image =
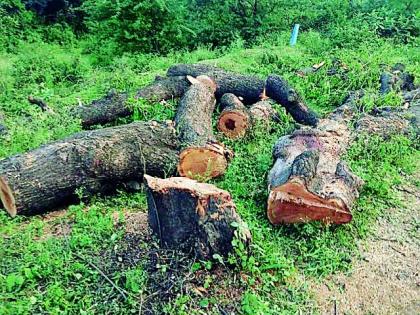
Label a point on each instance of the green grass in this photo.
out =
(46, 264)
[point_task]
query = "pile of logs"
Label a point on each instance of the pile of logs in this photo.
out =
(309, 180)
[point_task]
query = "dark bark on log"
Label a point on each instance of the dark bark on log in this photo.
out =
(164, 89)
(396, 79)
(105, 110)
(3, 128)
(96, 161)
(193, 216)
(40, 103)
(236, 119)
(201, 155)
(280, 91)
(248, 87)
(114, 105)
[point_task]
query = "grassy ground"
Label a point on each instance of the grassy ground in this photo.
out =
(56, 263)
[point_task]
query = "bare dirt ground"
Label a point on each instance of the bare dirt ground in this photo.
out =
(386, 280)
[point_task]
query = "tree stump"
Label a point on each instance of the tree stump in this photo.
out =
(193, 216)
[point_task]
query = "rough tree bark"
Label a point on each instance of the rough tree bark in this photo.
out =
(164, 88)
(114, 105)
(309, 181)
(280, 91)
(193, 216)
(247, 87)
(396, 79)
(104, 110)
(201, 155)
(96, 161)
(236, 119)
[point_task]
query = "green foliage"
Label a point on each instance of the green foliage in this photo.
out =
(146, 26)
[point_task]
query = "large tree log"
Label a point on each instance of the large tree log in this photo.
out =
(279, 90)
(105, 110)
(114, 105)
(193, 216)
(236, 119)
(248, 87)
(164, 88)
(201, 155)
(96, 161)
(309, 181)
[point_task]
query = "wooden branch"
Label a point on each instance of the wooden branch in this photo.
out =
(189, 215)
(279, 90)
(40, 103)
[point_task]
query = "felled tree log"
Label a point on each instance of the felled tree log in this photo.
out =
(236, 119)
(280, 91)
(164, 88)
(95, 161)
(193, 216)
(105, 110)
(114, 105)
(309, 181)
(201, 155)
(248, 87)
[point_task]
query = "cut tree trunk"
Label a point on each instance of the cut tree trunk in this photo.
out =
(201, 155)
(236, 119)
(95, 161)
(309, 181)
(247, 87)
(164, 89)
(105, 110)
(193, 216)
(114, 105)
(280, 91)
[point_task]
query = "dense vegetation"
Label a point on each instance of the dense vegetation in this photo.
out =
(75, 51)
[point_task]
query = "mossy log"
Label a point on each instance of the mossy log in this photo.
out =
(236, 119)
(280, 91)
(192, 216)
(95, 161)
(249, 88)
(201, 155)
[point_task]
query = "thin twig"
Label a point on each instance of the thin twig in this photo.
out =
(121, 291)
